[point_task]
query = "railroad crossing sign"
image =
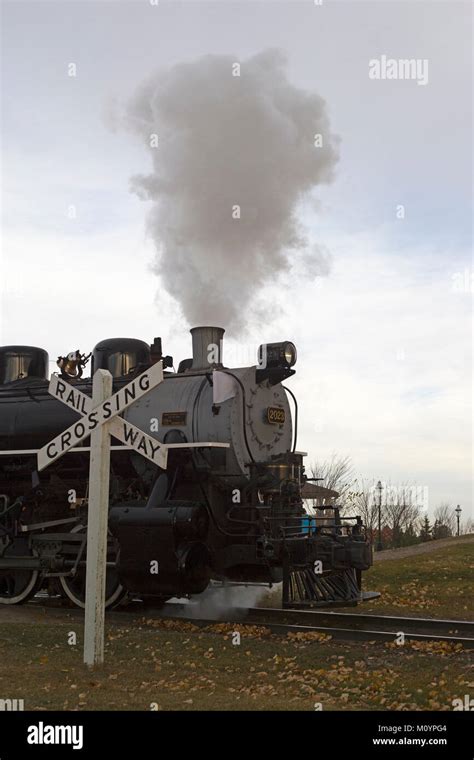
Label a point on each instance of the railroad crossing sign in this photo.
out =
(100, 420)
(104, 413)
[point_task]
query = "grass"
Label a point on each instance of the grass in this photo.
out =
(152, 664)
(438, 584)
(165, 665)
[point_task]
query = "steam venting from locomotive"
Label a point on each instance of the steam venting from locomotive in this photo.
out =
(235, 148)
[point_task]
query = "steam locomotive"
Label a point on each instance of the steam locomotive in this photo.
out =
(229, 508)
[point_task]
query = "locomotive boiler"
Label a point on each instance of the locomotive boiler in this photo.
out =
(228, 508)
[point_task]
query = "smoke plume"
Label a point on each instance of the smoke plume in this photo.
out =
(233, 156)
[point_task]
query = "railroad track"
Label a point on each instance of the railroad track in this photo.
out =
(340, 625)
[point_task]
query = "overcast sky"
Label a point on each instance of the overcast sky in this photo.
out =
(384, 372)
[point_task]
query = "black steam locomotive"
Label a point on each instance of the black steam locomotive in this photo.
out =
(228, 508)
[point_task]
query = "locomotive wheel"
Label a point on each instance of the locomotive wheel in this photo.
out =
(74, 586)
(17, 586)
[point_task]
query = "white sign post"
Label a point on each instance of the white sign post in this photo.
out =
(98, 513)
(100, 420)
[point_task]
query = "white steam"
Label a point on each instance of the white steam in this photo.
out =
(224, 146)
(218, 601)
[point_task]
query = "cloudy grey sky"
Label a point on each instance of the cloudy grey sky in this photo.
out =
(385, 339)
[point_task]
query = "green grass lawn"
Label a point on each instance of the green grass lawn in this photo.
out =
(437, 584)
(150, 665)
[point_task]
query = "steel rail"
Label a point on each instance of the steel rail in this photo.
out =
(360, 621)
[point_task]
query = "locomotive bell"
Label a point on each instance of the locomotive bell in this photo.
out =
(72, 365)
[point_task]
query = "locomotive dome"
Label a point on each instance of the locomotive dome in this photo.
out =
(22, 362)
(120, 356)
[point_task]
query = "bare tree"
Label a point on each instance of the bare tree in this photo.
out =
(361, 500)
(445, 518)
(401, 511)
(336, 473)
(468, 526)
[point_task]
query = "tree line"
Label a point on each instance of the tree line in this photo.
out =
(404, 508)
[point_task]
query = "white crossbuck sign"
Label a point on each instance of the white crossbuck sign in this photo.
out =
(105, 413)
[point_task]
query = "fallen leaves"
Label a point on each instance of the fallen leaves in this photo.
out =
(255, 631)
(442, 648)
(165, 624)
(308, 636)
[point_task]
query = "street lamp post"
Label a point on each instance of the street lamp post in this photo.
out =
(458, 511)
(379, 544)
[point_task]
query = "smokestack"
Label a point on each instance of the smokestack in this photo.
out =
(207, 347)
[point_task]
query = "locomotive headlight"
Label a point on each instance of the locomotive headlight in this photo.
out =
(290, 354)
(276, 355)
